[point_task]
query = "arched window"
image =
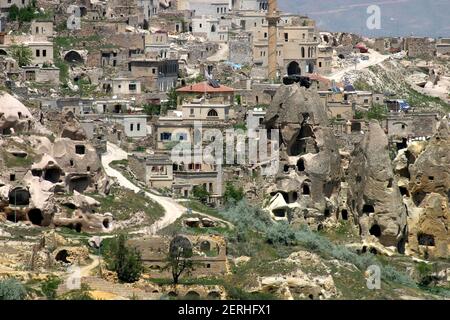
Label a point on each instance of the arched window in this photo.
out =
(212, 113)
(303, 52)
(213, 28)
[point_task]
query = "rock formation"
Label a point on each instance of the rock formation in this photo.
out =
(374, 194)
(309, 175)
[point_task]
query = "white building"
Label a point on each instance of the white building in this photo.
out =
(135, 125)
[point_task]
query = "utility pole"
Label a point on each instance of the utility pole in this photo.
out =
(273, 17)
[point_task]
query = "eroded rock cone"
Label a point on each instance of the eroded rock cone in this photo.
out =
(309, 174)
(374, 194)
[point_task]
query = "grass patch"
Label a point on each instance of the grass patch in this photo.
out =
(123, 203)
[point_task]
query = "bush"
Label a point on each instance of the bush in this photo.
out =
(22, 54)
(233, 194)
(246, 217)
(282, 234)
(79, 294)
(50, 286)
(392, 274)
(125, 261)
(377, 112)
(11, 289)
(200, 193)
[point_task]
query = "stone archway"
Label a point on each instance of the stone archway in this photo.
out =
(19, 197)
(192, 295)
(293, 68)
(73, 56)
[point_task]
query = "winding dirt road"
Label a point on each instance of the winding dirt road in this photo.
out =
(172, 209)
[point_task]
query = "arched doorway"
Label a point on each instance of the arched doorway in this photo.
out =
(293, 68)
(73, 57)
(19, 197)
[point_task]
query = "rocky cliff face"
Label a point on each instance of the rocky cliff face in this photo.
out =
(424, 173)
(37, 168)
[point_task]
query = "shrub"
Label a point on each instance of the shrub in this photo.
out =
(125, 261)
(392, 274)
(281, 233)
(246, 217)
(11, 289)
(50, 286)
(200, 193)
(233, 194)
(22, 54)
(78, 294)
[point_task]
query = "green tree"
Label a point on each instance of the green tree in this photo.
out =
(13, 13)
(199, 192)
(172, 100)
(179, 258)
(125, 261)
(22, 54)
(377, 112)
(11, 289)
(233, 194)
(152, 109)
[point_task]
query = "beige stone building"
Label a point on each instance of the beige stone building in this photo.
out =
(209, 254)
(297, 46)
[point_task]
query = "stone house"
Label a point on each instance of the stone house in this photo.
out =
(155, 75)
(135, 125)
(49, 75)
(209, 254)
(155, 170)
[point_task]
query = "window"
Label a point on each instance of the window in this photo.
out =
(38, 53)
(12, 177)
(166, 136)
(320, 64)
(132, 87)
(265, 34)
(131, 126)
(192, 112)
(212, 113)
(80, 149)
(138, 127)
(286, 37)
(154, 71)
(44, 53)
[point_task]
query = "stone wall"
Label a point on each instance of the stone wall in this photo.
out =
(241, 49)
(420, 47)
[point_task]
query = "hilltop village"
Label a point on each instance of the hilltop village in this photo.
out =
(97, 97)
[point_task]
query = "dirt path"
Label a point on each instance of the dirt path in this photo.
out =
(374, 59)
(172, 210)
